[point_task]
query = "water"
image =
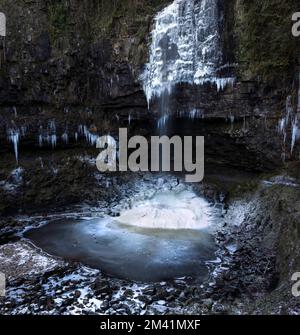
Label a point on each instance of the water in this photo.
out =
(185, 48)
(167, 236)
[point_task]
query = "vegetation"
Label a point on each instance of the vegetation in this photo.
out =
(128, 12)
(58, 18)
(266, 45)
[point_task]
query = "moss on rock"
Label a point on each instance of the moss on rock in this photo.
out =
(266, 48)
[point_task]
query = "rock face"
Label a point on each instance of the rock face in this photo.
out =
(76, 63)
(20, 260)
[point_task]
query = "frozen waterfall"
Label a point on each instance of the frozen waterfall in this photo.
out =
(185, 47)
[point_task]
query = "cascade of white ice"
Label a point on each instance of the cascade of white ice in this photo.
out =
(14, 138)
(185, 47)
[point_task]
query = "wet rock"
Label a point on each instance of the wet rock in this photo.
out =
(102, 286)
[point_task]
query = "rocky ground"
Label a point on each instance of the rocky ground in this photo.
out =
(257, 238)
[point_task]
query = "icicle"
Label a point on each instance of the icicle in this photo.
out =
(40, 140)
(14, 138)
(220, 83)
(162, 121)
(231, 119)
(41, 162)
(65, 138)
(52, 137)
(53, 140)
(90, 138)
(298, 105)
(244, 129)
(23, 130)
(52, 126)
(288, 109)
(81, 129)
(15, 111)
(295, 133)
(281, 125)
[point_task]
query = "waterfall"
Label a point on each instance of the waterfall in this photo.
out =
(185, 47)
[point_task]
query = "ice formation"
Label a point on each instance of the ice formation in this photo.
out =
(48, 136)
(65, 137)
(170, 210)
(185, 48)
(291, 122)
(90, 137)
(14, 138)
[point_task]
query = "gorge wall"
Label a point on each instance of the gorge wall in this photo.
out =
(71, 69)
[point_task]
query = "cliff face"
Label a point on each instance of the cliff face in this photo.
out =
(78, 62)
(72, 53)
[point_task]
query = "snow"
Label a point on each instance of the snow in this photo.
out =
(20, 259)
